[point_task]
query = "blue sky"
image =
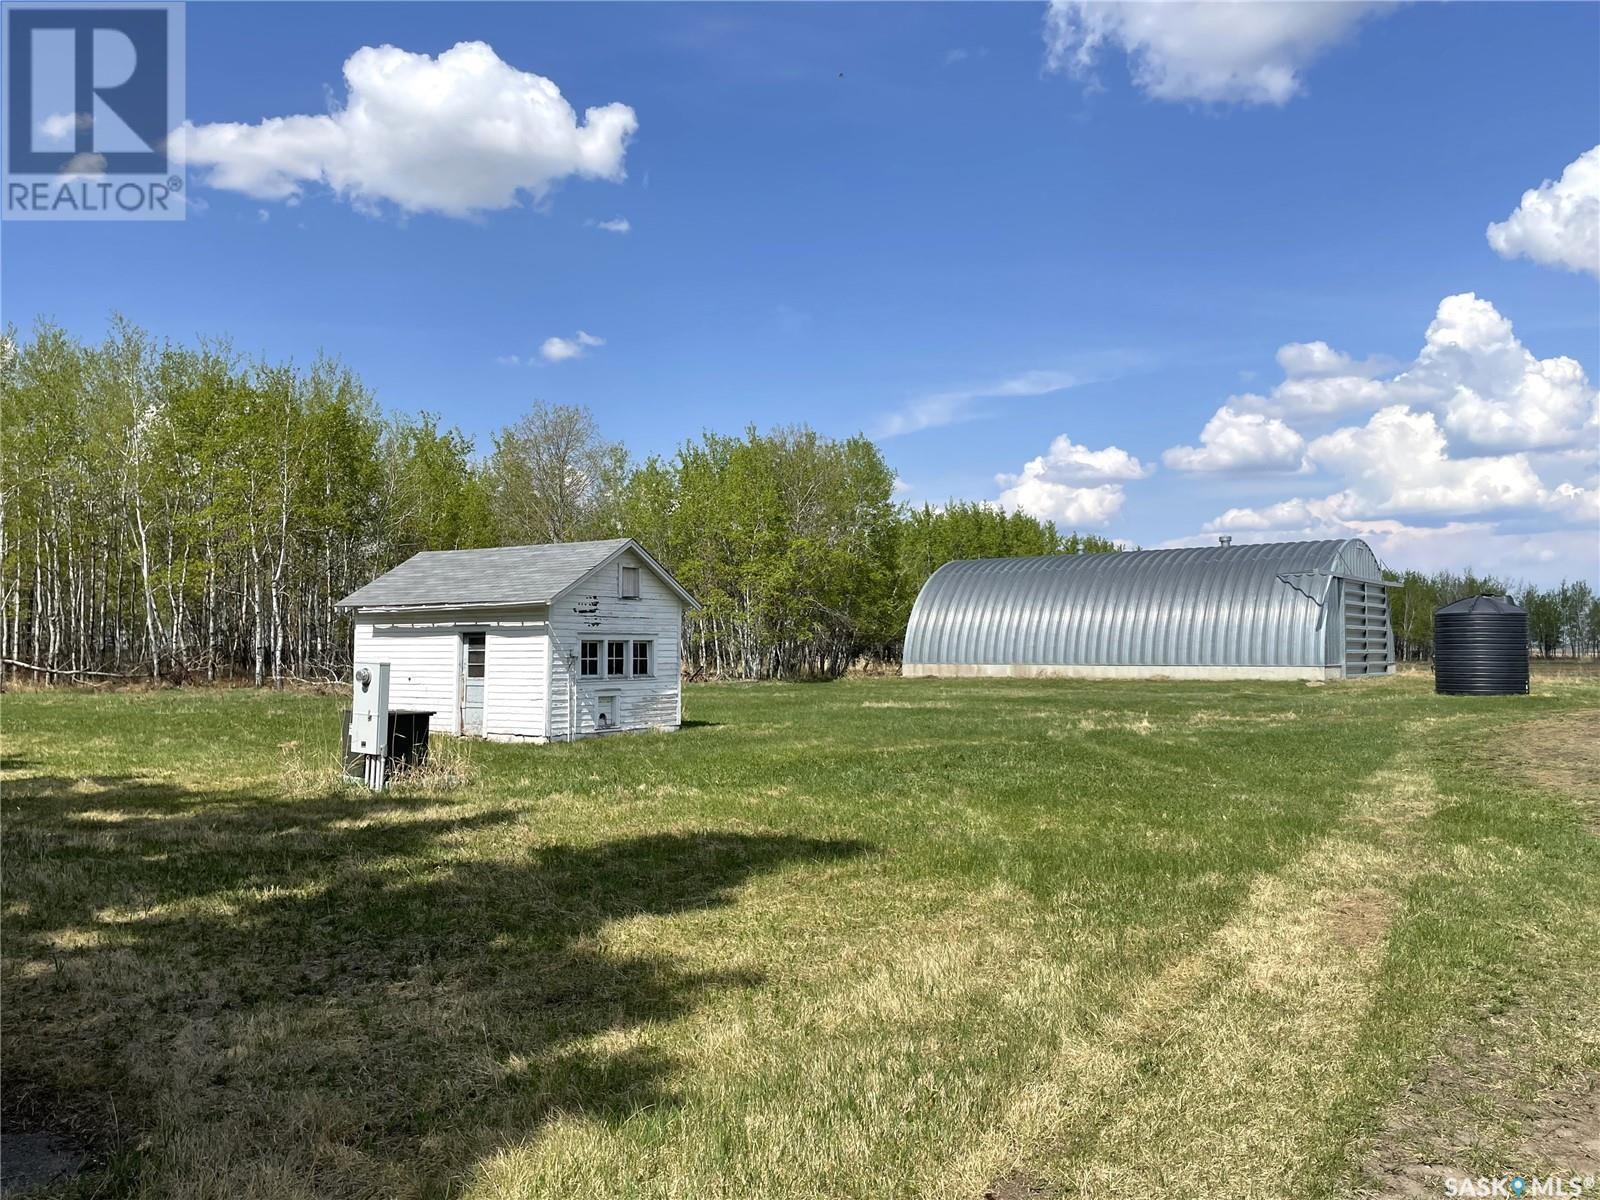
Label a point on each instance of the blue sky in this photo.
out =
(1033, 251)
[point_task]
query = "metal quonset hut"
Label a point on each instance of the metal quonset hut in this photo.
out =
(1283, 610)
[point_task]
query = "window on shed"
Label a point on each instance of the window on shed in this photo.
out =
(641, 658)
(616, 657)
(475, 650)
(589, 658)
(629, 589)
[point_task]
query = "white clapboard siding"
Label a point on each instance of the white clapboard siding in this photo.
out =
(514, 682)
(593, 610)
(528, 689)
(424, 668)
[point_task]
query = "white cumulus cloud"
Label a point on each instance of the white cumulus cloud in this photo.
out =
(559, 349)
(1072, 484)
(1317, 360)
(1558, 222)
(1450, 545)
(1489, 390)
(60, 125)
(87, 163)
(1241, 441)
(614, 225)
(458, 134)
(1398, 467)
(1064, 504)
(1493, 393)
(1578, 504)
(1242, 51)
(1399, 463)
(1476, 452)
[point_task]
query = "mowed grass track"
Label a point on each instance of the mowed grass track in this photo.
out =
(870, 939)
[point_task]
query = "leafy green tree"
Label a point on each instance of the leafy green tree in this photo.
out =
(1544, 620)
(435, 495)
(931, 537)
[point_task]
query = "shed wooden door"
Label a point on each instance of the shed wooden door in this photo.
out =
(473, 651)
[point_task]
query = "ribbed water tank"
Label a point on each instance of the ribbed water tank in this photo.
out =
(1480, 647)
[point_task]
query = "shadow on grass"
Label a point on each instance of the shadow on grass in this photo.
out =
(342, 984)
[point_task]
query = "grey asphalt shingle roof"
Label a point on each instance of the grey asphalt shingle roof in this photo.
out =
(503, 575)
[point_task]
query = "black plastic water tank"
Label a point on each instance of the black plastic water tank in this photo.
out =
(1480, 647)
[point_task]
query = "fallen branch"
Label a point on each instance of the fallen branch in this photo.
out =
(27, 666)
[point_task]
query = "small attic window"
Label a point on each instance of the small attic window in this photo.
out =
(629, 586)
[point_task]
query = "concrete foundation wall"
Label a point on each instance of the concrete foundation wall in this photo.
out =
(1090, 671)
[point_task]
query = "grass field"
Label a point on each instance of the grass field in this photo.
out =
(868, 939)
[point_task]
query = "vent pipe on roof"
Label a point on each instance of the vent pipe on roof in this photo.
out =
(1225, 539)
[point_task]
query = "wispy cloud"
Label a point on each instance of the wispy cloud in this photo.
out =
(966, 404)
(85, 164)
(61, 126)
(614, 225)
(559, 349)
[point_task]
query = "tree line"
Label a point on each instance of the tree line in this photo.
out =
(190, 513)
(1563, 620)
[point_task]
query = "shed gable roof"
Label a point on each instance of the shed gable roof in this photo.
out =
(510, 575)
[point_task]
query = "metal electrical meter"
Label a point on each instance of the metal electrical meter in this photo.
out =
(369, 709)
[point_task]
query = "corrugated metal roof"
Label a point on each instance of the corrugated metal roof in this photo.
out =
(502, 575)
(1246, 605)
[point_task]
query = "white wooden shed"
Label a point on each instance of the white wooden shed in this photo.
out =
(529, 643)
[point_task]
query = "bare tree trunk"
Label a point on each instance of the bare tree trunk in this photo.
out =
(152, 621)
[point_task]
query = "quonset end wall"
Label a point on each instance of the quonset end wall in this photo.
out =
(1283, 610)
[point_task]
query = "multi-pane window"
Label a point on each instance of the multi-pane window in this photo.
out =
(629, 586)
(589, 658)
(641, 658)
(616, 657)
(475, 649)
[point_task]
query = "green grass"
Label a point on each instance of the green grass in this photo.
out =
(869, 939)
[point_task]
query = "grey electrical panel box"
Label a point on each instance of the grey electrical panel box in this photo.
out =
(369, 709)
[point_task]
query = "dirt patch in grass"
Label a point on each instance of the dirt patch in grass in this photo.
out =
(1454, 1124)
(30, 1160)
(1560, 754)
(1360, 919)
(44, 1139)
(1019, 1187)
